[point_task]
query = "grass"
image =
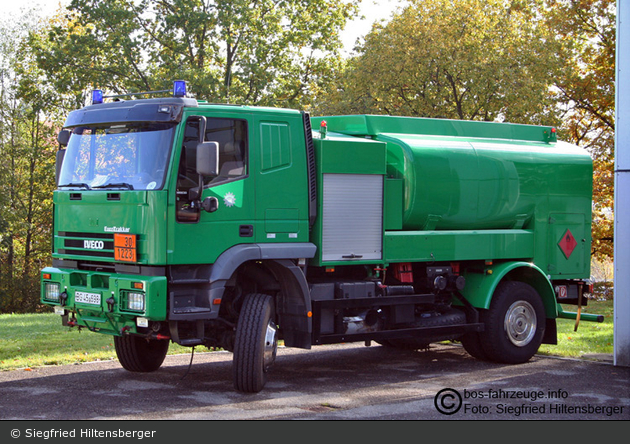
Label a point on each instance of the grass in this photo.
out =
(33, 340)
(590, 337)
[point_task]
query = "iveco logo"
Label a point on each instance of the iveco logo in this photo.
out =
(93, 245)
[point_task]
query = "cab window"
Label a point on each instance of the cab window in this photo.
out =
(231, 135)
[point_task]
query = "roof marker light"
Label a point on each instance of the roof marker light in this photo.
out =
(179, 88)
(97, 97)
(323, 129)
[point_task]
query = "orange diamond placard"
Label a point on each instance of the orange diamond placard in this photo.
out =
(567, 244)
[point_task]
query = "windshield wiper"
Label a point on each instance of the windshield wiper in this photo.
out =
(116, 185)
(81, 185)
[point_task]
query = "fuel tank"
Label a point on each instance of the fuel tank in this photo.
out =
(463, 175)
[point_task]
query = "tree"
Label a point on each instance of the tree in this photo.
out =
(262, 52)
(470, 59)
(26, 172)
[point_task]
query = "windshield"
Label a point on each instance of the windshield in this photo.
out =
(132, 156)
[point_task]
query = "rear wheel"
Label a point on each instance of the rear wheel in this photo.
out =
(472, 344)
(137, 354)
(255, 344)
(515, 324)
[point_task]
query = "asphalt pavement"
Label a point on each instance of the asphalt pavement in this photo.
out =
(335, 382)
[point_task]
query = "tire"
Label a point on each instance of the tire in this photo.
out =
(255, 343)
(472, 345)
(452, 317)
(137, 354)
(515, 324)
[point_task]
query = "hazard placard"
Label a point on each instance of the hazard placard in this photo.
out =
(567, 243)
(125, 247)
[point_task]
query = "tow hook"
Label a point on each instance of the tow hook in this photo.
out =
(72, 322)
(110, 304)
(125, 329)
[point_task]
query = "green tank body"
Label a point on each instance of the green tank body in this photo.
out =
(457, 178)
(451, 185)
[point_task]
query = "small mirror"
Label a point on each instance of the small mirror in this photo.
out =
(63, 137)
(58, 163)
(208, 159)
(203, 123)
(210, 204)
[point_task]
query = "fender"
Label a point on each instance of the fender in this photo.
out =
(229, 261)
(294, 311)
(481, 286)
(296, 308)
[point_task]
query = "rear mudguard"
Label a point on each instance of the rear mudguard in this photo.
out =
(480, 285)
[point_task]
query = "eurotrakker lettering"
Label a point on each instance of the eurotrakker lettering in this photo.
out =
(116, 229)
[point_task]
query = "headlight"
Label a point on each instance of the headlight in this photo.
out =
(135, 301)
(51, 291)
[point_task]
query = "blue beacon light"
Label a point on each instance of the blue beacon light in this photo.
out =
(179, 88)
(97, 97)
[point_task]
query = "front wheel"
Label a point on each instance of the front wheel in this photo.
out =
(137, 354)
(515, 324)
(255, 343)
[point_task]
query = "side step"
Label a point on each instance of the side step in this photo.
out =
(188, 341)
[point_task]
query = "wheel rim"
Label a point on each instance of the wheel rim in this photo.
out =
(271, 345)
(520, 323)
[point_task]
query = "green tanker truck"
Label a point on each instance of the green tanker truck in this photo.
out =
(227, 226)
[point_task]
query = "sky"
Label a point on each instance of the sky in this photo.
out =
(372, 10)
(48, 7)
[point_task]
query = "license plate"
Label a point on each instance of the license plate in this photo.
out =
(87, 298)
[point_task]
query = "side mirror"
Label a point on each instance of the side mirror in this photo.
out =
(58, 162)
(208, 159)
(210, 204)
(63, 137)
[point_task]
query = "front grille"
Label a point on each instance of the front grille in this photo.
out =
(87, 253)
(99, 245)
(87, 235)
(79, 243)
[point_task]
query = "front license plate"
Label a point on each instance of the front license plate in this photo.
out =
(87, 298)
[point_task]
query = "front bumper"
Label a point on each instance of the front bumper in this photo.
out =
(105, 302)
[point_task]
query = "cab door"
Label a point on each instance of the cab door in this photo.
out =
(281, 179)
(199, 237)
